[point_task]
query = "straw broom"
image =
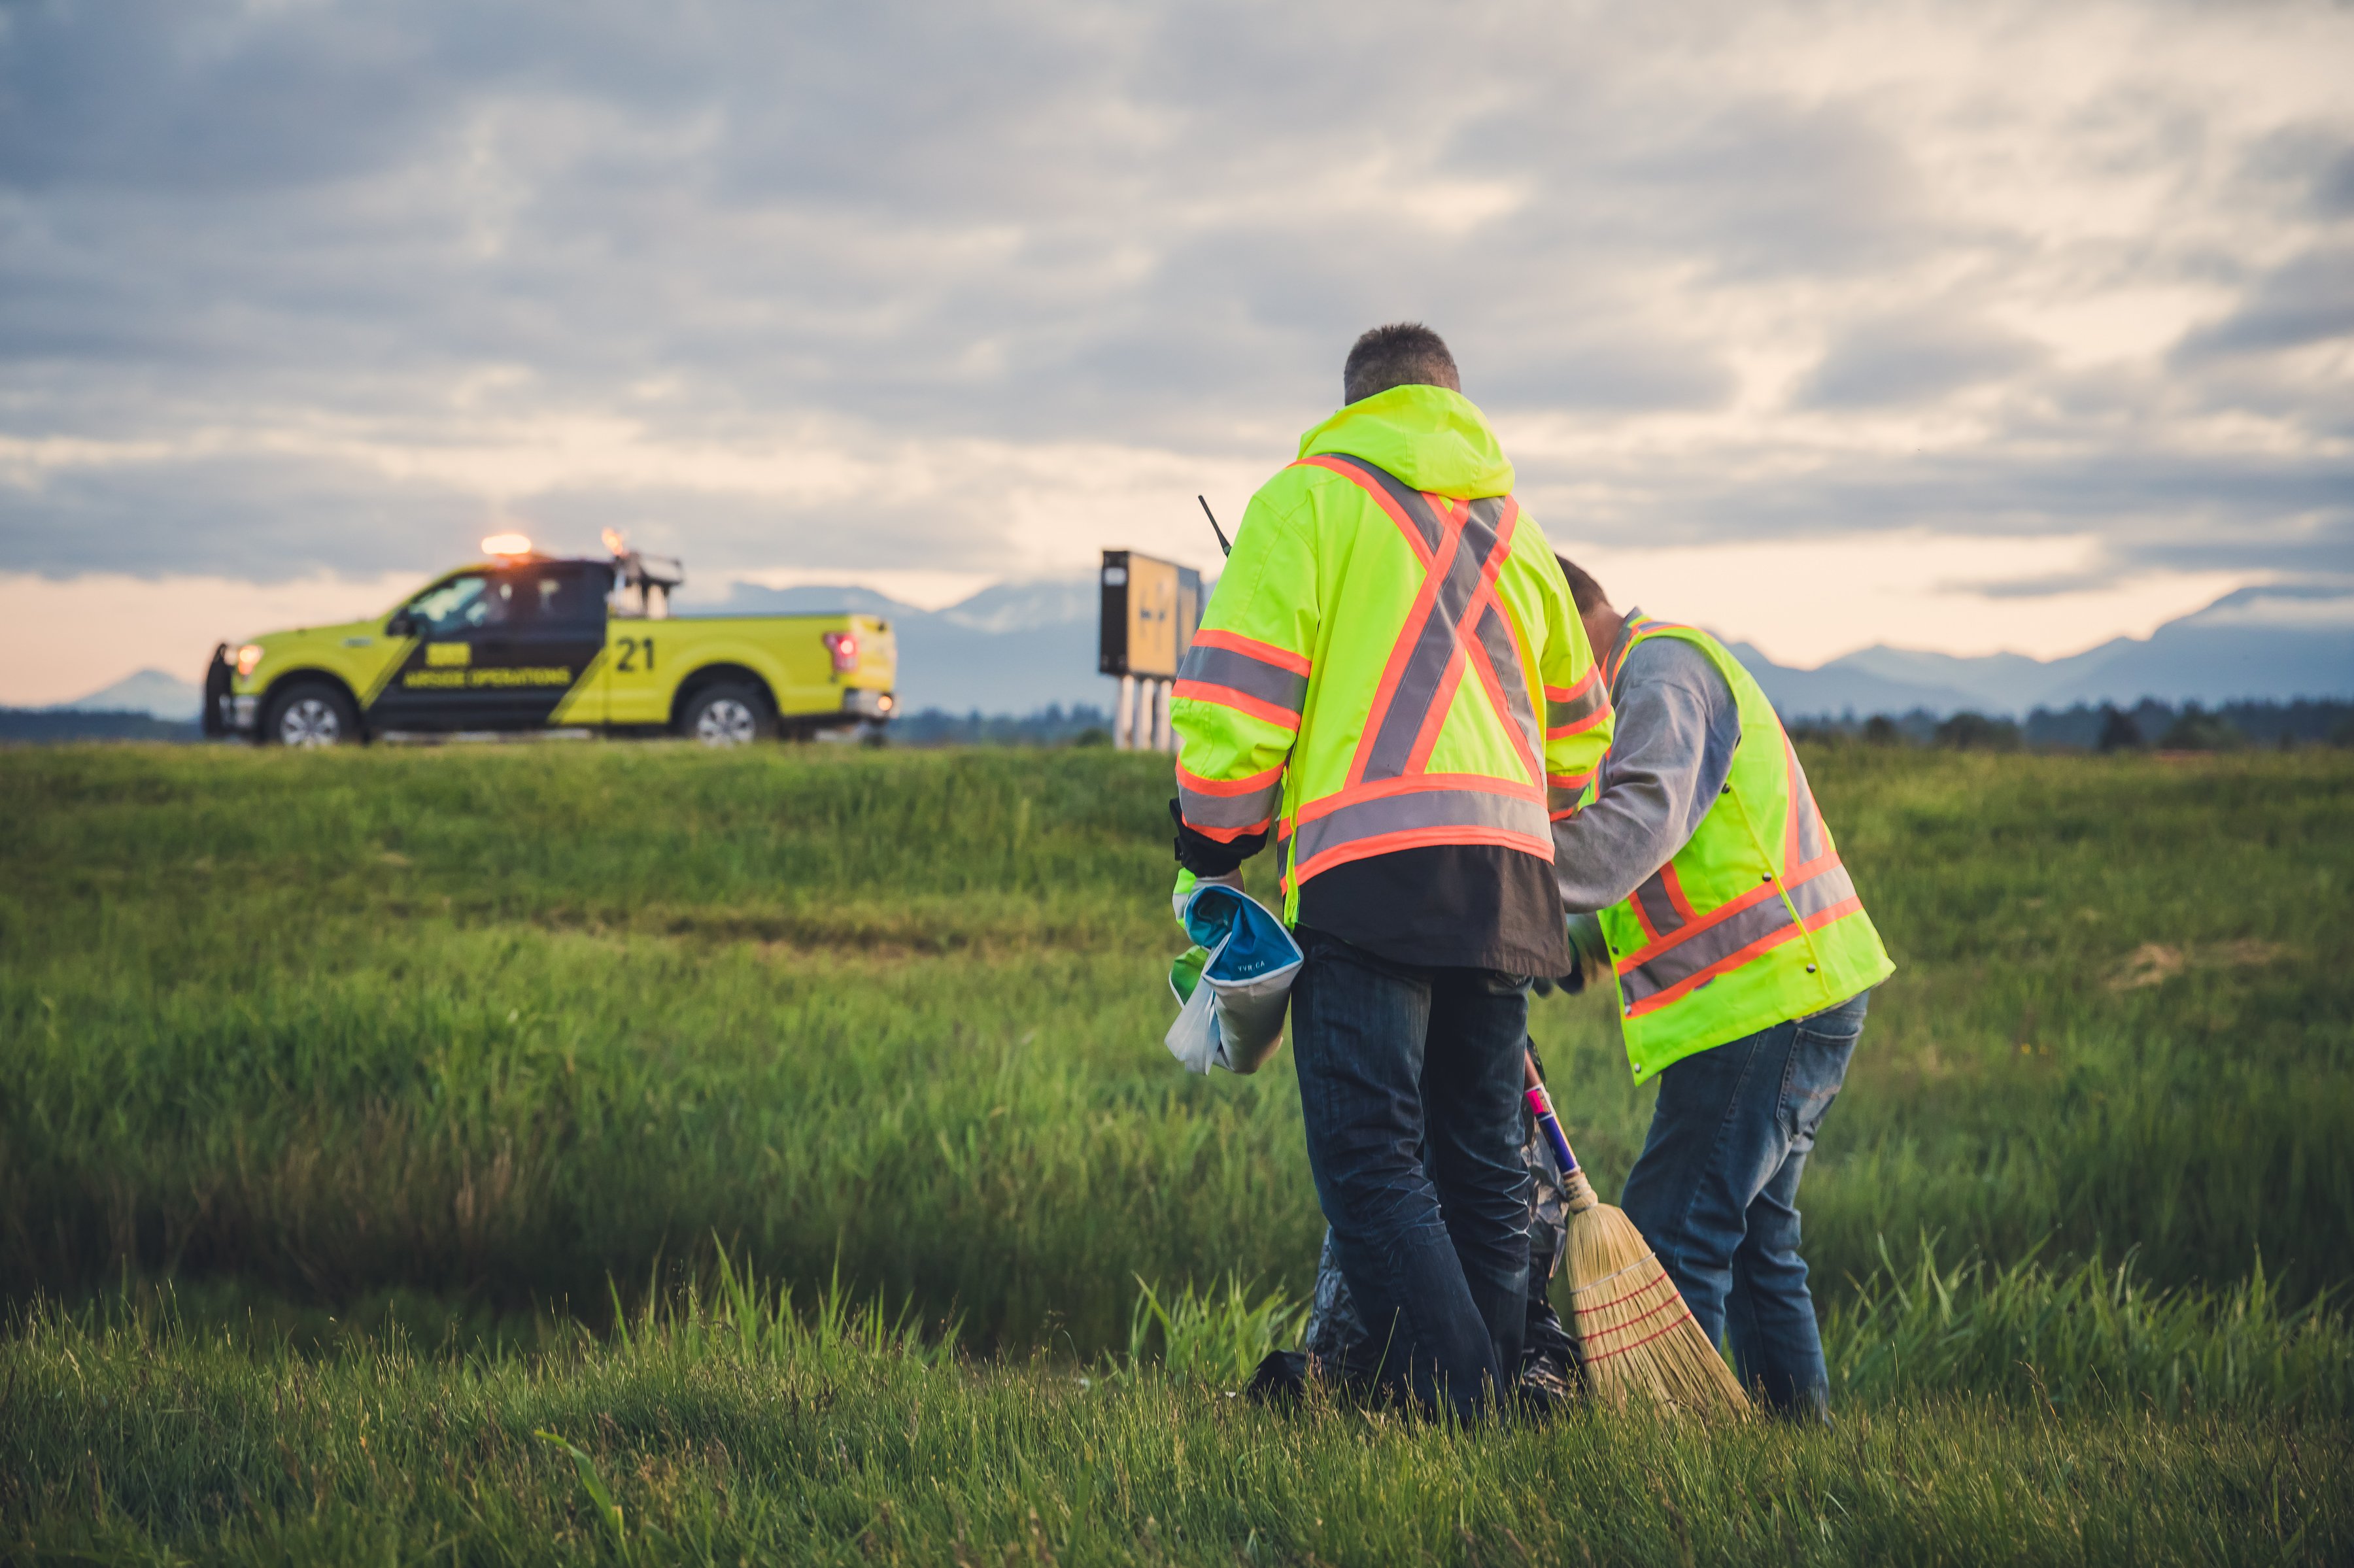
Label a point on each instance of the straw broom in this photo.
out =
(1637, 1340)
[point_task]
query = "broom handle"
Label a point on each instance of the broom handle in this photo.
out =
(1541, 1102)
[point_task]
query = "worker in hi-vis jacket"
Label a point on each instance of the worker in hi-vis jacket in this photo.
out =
(1703, 877)
(1391, 681)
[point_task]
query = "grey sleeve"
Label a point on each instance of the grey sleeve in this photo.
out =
(1671, 751)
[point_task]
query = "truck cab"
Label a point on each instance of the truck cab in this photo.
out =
(523, 642)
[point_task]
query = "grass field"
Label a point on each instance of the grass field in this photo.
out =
(366, 1114)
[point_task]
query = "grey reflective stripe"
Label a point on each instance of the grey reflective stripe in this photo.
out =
(1585, 705)
(1408, 499)
(1697, 953)
(1435, 643)
(1828, 889)
(1414, 808)
(1239, 671)
(1824, 890)
(1812, 841)
(1659, 909)
(1229, 811)
(1504, 658)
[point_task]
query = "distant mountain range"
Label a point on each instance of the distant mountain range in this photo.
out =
(1010, 649)
(150, 692)
(2278, 642)
(1019, 647)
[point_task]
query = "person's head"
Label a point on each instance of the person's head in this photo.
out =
(1402, 354)
(1594, 608)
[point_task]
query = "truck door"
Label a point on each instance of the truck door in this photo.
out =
(498, 649)
(428, 691)
(541, 640)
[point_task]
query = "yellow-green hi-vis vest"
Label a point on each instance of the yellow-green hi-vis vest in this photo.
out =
(1754, 921)
(1390, 659)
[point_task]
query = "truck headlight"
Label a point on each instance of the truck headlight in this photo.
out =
(248, 658)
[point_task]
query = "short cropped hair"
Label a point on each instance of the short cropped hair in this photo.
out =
(1583, 589)
(1402, 354)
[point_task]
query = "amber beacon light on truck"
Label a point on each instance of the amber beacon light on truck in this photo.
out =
(525, 642)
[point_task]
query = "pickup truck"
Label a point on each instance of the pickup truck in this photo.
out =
(527, 642)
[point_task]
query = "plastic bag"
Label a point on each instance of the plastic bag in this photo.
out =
(1233, 985)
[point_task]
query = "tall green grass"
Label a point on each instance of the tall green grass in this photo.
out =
(630, 1153)
(724, 1426)
(508, 1023)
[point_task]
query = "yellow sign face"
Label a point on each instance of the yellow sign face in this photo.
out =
(1152, 617)
(1149, 611)
(445, 655)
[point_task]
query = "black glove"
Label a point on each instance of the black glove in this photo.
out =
(1205, 856)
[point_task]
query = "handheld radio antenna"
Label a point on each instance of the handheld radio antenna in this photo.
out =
(1224, 548)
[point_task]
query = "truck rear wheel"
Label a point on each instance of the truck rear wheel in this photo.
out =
(727, 714)
(310, 712)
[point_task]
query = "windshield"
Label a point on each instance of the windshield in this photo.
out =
(456, 605)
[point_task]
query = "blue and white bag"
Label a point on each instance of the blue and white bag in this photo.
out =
(1234, 985)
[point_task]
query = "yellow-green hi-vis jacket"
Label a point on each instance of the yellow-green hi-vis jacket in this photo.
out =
(1391, 659)
(1754, 921)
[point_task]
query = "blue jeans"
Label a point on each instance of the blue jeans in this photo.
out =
(1410, 1087)
(1716, 1193)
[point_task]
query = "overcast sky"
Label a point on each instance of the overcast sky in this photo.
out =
(1964, 326)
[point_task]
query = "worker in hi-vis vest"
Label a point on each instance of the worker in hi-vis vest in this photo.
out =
(1703, 876)
(1391, 681)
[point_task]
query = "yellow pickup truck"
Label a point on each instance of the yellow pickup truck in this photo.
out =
(526, 641)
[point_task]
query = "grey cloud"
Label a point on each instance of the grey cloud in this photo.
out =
(1912, 358)
(2333, 190)
(263, 521)
(2308, 300)
(2148, 507)
(2047, 587)
(163, 96)
(1590, 366)
(1150, 226)
(1774, 188)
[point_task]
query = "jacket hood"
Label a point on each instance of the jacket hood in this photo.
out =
(1434, 439)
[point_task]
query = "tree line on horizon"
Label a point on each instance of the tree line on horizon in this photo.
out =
(2148, 726)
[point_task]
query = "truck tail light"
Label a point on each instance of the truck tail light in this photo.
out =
(843, 646)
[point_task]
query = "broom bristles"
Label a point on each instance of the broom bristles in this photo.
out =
(1637, 1339)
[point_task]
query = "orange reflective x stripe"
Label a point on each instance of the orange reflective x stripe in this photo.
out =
(1455, 625)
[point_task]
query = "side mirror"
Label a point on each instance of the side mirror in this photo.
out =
(402, 624)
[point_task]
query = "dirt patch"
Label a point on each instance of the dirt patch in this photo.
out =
(2155, 963)
(865, 932)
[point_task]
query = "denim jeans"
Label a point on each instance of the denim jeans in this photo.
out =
(1716, 1193)
(1410, 1087)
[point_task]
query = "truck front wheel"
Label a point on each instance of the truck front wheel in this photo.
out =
(310, 712)
(728, 715)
